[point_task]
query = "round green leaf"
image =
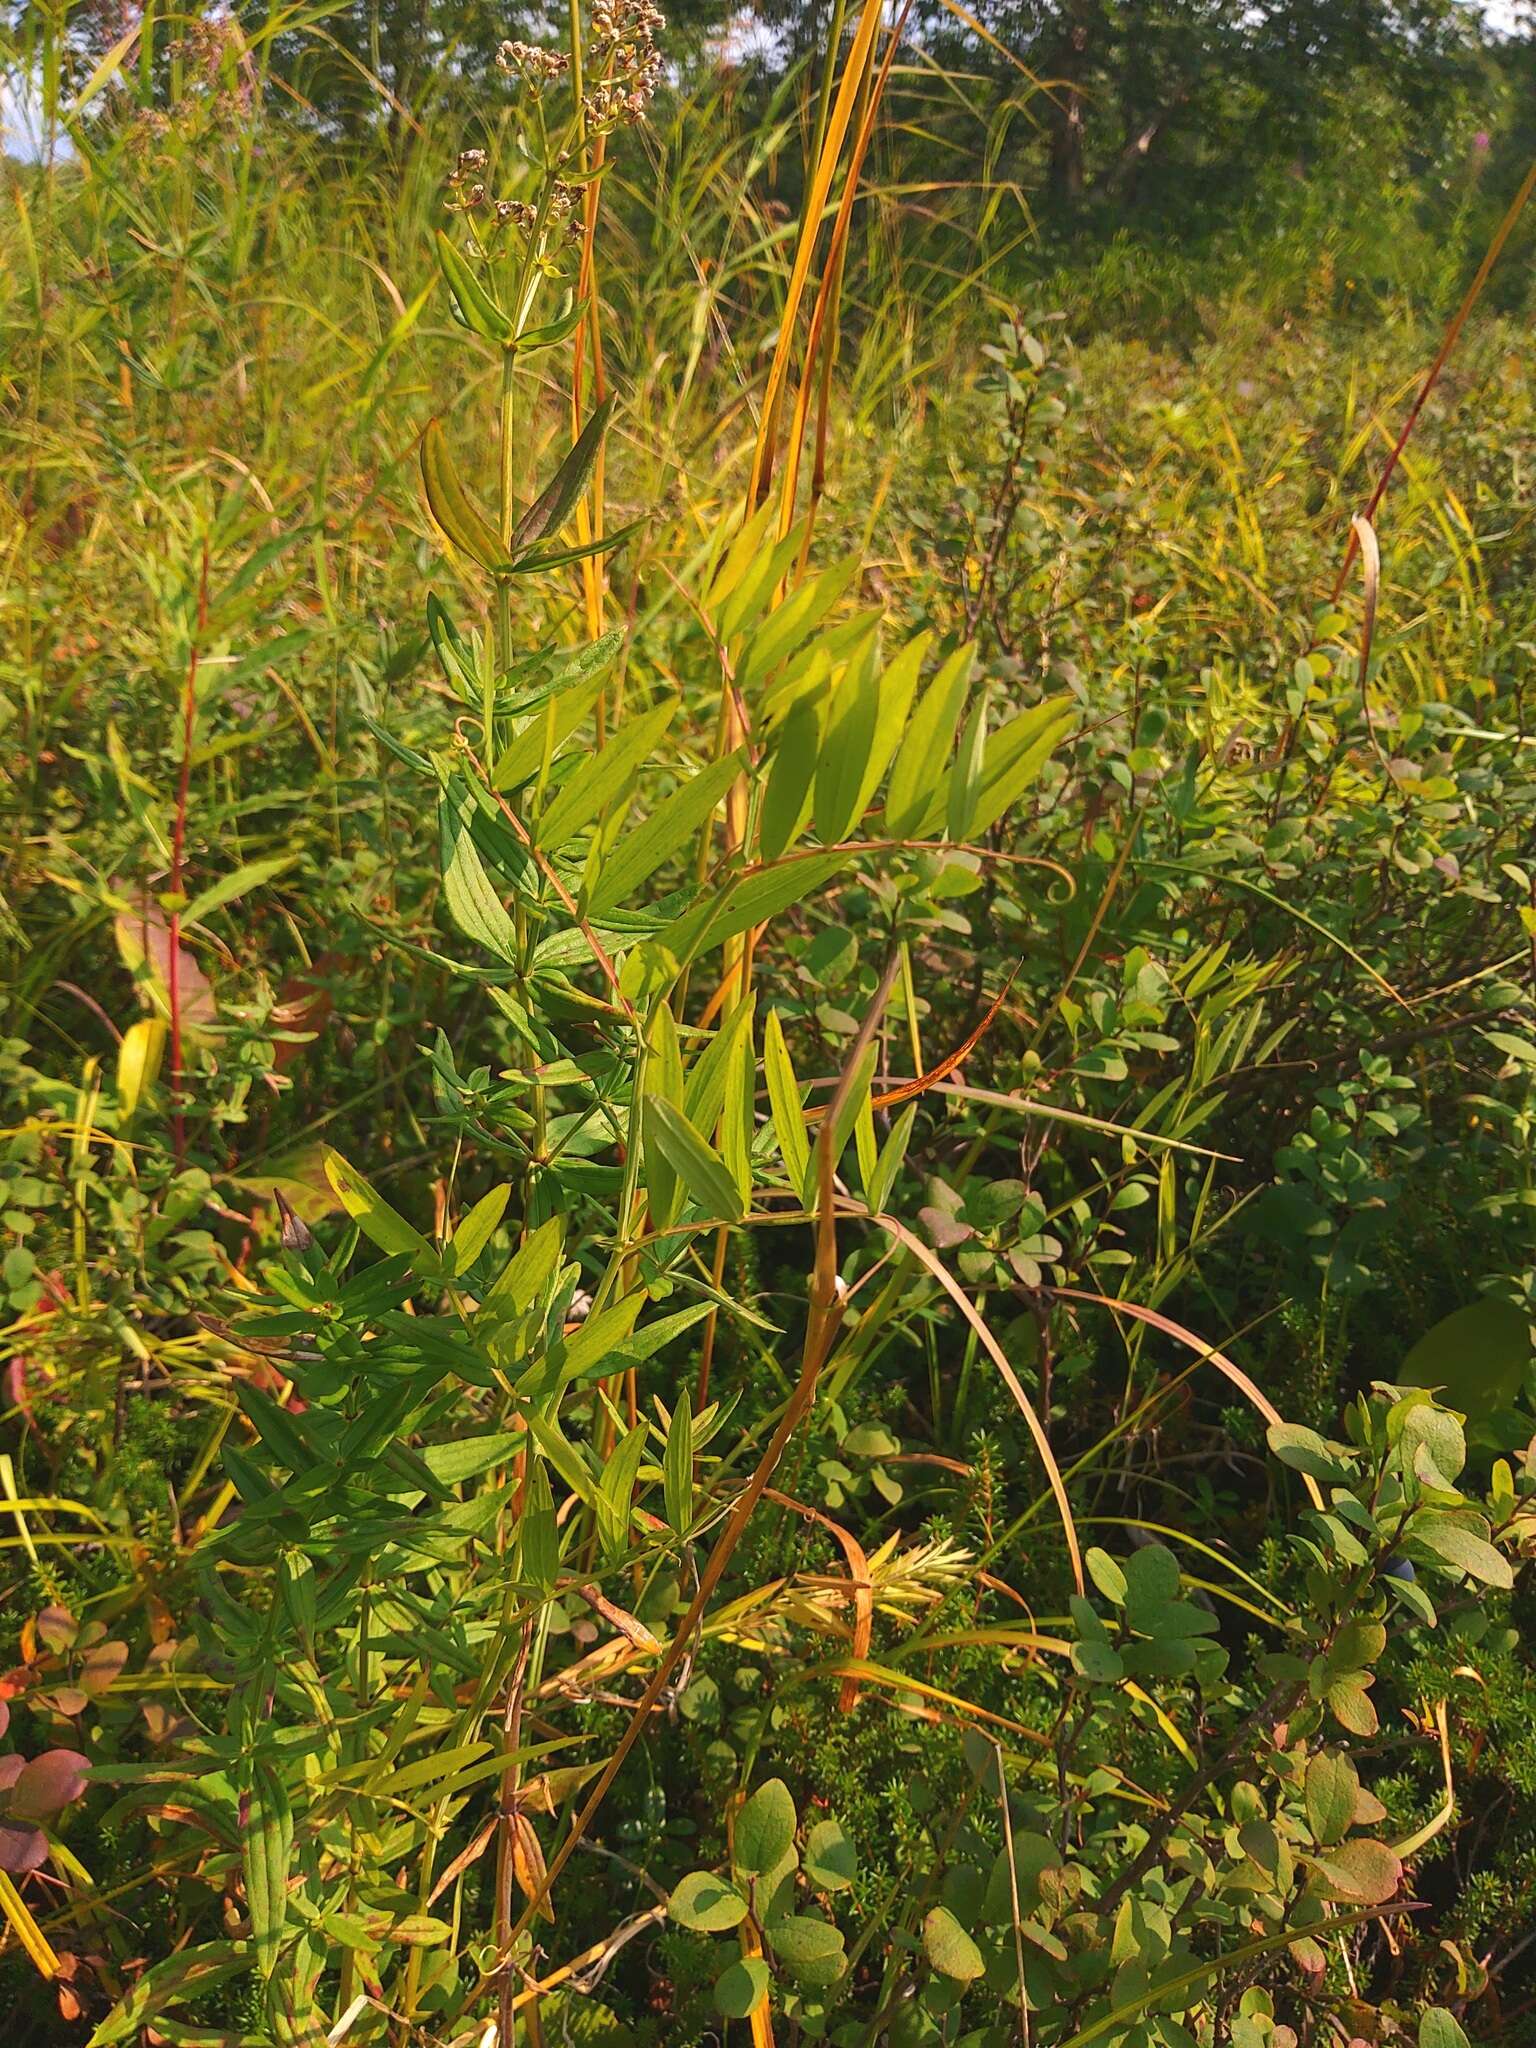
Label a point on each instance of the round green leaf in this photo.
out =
(949, 1948)
(1305, 1451)
(1097, 1662)
(831, 1861)
(801, 1941)
(1106, 1575)
(1477, 1354)
(1455, 1544)
(706, 1903)
(1361, 1872)
(765, 1829)
(1440, 2029)
(1332, 1785)
(741, 1987)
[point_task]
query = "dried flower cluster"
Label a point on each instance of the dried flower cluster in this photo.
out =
(561, 218)
(535, 66)
(624, 66)
(624, 34)
(218, 88)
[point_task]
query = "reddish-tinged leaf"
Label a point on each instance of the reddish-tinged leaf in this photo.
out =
(57, 1628)
(144, 941)
(102, 1665)
(22, 1847)
(944, 1230)
(48, 1784)
(1361, 1872)
(68, 1700)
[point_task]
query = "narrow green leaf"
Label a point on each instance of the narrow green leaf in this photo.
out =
(612, 775)
(452, 507)
(753, 898)
(528, 1271)
(664, 1082)
(846, 751)
(893, 1152)
(616, 1488)
(958, 805)
(677, 1468)
(1014, 756)
(785, 1101)
(539, 1530)
(552, 331)
(254, 875)
(921, 760)
(542, 738)
(555, 503)
(476, 1230)
(373, 1215)
(576, 551)
(704, 1092)
(787, 797)
(473, 303)
(695, 1162)
(894, 692)
(266, 1844)
(471, 899)
(671, 826)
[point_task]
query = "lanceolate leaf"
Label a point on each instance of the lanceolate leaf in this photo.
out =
(695, 1162)
(784, 1098)
(923, 756)
(477, 1228)
(787, 797)
(753, 898)
(845, 752)
(254, 875)
(1014, 756)
(578, 551)
(709, 1078)
(452, 507)
(677, 1467)
(604, 780)
(475, 306)
(265, 1848)
(553, 506)
(893, 701)
(547, 731)
(957, 807)
(551, 331)
(368, 1209)
(671, 827)
(472, 901)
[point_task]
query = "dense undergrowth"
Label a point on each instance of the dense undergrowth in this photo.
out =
(663, 1186)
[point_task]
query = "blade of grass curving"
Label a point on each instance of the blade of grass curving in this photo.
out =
(957, 1294)
(1221, 880)
(1158, 1321)
(828, 297)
